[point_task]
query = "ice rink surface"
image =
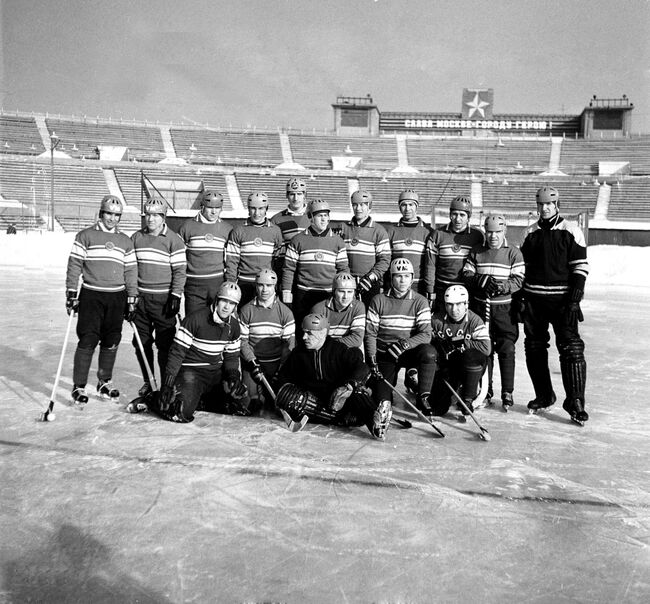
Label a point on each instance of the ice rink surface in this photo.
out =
(103, 506)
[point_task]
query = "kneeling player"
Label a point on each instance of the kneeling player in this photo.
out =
(203, 362)
(463, 345)
(324, 379)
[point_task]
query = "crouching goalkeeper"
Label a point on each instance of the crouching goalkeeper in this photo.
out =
(325, 380)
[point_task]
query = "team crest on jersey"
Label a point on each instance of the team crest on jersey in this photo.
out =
(319, 256)
(209, 236)
(456, 247)
(355, 241)
(110, 245)
(409, 242)
(257, 242)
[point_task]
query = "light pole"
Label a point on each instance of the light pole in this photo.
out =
(54, 143)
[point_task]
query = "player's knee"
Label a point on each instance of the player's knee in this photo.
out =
(532, 345)
(88, 342)
(572, 350)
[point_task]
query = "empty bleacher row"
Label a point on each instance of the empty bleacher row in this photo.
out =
(630, 200)
(80, 138)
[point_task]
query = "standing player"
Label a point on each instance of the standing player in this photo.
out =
(105, 260)
(398, 334)
(462, 345)
(555, 254)
(267, 334)
(293, 219)
(312, 260)
(345, 314)
(252, 246)
(493, 272)
(204, 362)
(161, 278)
(368, 247)
(447, 249)
(409, 236)
(205, 238)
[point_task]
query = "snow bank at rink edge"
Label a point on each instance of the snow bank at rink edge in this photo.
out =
(608, 264)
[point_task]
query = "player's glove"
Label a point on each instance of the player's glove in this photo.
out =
(287, 296)
(431, 297)
(256, 372)
(366, 282)
(235, 387)
(172, 306)
(397, 348)
(450, 347)
(374, 368)
(71, 301)
(574, 312)
(340, 395)
(166, 397)
(491, 287)
(131, 307)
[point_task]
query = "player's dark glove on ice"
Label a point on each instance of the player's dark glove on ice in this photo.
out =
(71, 301)
(172, 306)
(256, 373)
(574, 312)
(166, 396)
(131, 306)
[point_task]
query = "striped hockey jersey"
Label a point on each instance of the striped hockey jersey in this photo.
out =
(390, 319)
(206, 246)
(505, 264)
(267, 332)
(555, 254)
(445, 254)
(368, 248)
(250, 248)
(105, 259)
(312, 260)
(470, 329)
(203, 341)
(347, 325)
(161, 262)
(408, 240)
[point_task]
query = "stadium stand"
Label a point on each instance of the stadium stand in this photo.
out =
(630, 200)
(333, 189)
(213, 147)
(316, 151)
(493, 154)
(518, 196)
(80, 138)
(582, 156)
(19, 135)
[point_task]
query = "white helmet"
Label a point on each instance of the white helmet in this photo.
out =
(229, 291)
(456, 294)
(401, 265)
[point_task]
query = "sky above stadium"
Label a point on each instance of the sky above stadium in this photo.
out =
(283, 62)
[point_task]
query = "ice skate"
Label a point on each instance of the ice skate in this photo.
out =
(107, 391)
(79, 396)
(541, 404)
(507, 401)
(381, 420)
(576, 409)
(488, 402)
(424, 405)
(145, 389)
(462, 414)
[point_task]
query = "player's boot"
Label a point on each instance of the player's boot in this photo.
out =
(507, 401)
(462, 415)
(541, 403)
(423, 403)
(411, 380)
(381, 420)
(576, 409)
(79, 396)
(145, 389)
(106, 390)
(487, 402)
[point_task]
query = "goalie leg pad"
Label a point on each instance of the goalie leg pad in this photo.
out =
(297, 402)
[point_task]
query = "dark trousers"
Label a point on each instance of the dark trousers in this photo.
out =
(154, 325)
(540, 313)
(99, 321)
(422, 357)
(200, 293)
(463, 371)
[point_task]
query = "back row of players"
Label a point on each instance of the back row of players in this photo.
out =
(359, 288)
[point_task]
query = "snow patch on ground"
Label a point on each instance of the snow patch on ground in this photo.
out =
(608, 264)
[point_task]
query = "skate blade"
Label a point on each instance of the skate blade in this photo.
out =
(575, 420)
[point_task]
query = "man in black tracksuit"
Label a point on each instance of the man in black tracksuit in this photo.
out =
(325, 379)
(555, 254)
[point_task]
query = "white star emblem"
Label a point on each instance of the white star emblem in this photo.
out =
(476, 104)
